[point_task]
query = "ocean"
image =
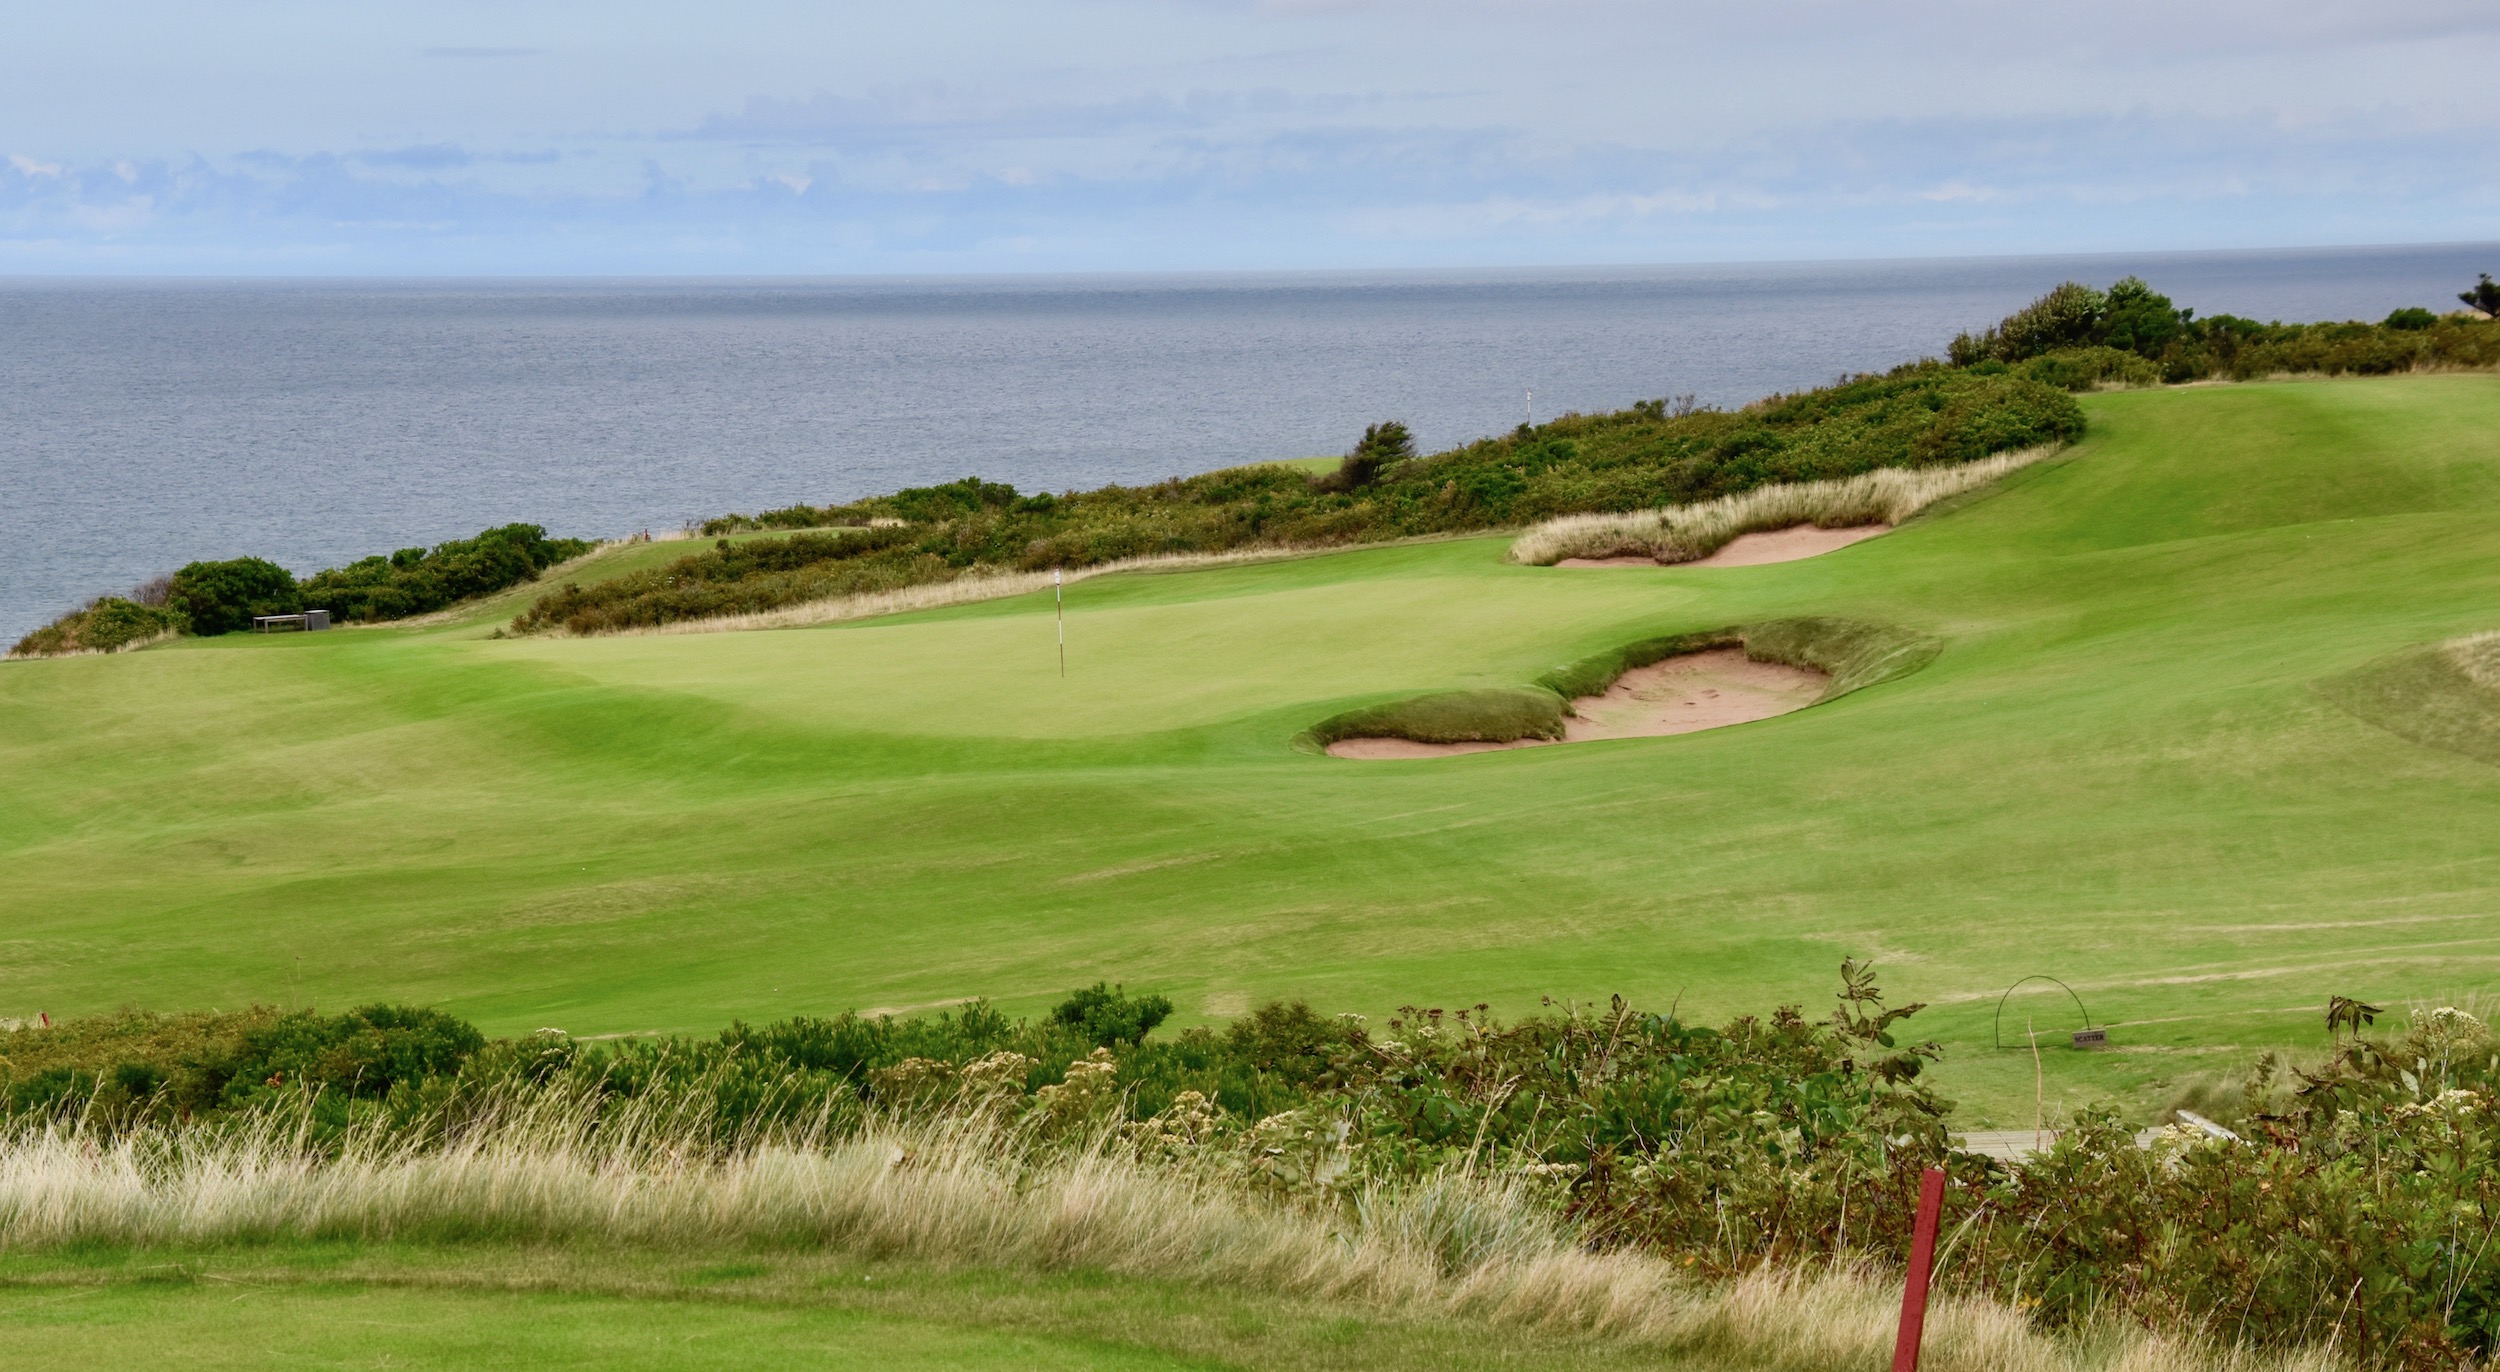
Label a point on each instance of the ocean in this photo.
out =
(144, 424)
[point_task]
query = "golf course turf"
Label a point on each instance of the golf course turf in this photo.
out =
(2121, 771)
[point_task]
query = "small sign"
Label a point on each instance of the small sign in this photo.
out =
(2091, 1038)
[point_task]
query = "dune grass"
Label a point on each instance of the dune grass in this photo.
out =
(2119, 771)
(961, 1194)
(1687, 533)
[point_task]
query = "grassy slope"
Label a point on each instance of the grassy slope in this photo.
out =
(2116, 774)
(490, 1307)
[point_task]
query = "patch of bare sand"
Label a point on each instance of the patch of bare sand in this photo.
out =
(1791, 544)
(1680, 695)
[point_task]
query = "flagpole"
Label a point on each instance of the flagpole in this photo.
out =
(1059, 601)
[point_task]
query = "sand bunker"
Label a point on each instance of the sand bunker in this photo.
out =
(1681, 695)
(1753, 550)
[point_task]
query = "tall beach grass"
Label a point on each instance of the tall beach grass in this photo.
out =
(964, 1190)
(1685, 533)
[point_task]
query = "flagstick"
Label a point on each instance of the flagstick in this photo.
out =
(1059, 600)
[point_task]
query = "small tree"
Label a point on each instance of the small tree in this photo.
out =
(1110, 1016)
(1381, 445)
(2485, 296)
(221, 597)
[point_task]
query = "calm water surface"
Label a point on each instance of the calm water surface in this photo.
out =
(145, 424)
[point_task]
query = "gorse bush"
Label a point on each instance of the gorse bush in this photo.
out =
(415, 581)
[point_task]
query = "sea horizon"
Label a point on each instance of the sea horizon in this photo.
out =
(153, 420)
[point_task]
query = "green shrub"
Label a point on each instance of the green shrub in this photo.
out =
(104, 626)
(2082, 369)
(415, 581)
(1109, 1017)
(222, 597)
(2412, 318)
(740, 578)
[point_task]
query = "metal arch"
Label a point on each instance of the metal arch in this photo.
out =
(1996, 1029)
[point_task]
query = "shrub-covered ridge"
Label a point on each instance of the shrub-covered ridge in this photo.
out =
(1920, 415)
(210, 598)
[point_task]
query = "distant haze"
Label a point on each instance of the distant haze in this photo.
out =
(316, 422)
(775, 137)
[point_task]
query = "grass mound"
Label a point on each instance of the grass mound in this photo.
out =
(1853, 653)
(1500, 714)
(2444, 696)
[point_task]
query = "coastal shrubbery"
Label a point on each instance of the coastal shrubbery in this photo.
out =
(222, 597)
(1919, 415)
(106, 625)
(209, 598)
(2078, 337)
(2354, 1208)
(416, 581)
(1672, 483)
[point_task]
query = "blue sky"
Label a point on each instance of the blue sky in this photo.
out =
(349, 137)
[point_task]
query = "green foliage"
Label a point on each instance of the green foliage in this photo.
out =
(106, 625)
(1501, 714)
(1381, 446)
(415, 581)
(1649, 455)
(2360, 1207)
(2078, 338)
(741, 578)
(2485, 296)
(1109, 1017)
(222, 597)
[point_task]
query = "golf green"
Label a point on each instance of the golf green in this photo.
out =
(2119, 773)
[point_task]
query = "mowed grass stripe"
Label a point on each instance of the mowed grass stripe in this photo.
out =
(2117, 773)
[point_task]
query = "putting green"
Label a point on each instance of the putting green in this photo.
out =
(2118, 774)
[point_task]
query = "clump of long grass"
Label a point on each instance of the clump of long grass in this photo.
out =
(966, 1188)
(1685, 533)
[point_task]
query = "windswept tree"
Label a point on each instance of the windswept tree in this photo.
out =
(2484, 297)
(1381, 447)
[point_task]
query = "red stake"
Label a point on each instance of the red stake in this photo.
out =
(1922, 1259)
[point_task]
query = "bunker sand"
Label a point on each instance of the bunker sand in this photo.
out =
(1680, 695)
(1792, 544)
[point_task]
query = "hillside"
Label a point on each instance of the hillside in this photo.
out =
(2118, 772)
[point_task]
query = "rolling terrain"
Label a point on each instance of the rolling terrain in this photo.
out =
(2121, 772)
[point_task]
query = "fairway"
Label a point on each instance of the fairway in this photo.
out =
(2118, 773)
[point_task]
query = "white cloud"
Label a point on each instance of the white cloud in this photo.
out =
(30, 167)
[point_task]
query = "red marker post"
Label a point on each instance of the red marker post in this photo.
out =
(1922, 1261)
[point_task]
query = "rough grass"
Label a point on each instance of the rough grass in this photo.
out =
(1684, 533)
(962, 1192)
(1499, 714)
(2444, 696)
(1853, 653)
